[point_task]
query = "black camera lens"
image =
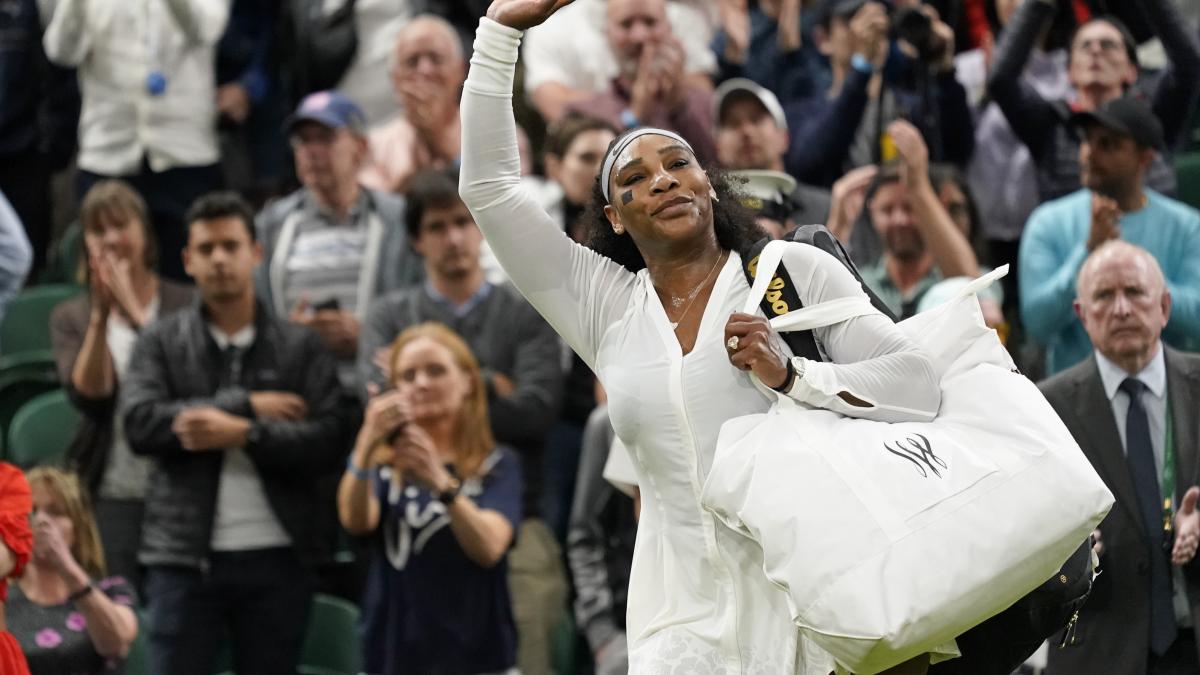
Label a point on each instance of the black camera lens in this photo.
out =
(914, 27)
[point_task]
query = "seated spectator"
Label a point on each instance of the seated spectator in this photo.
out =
(873, 83)
(568, 59)
(16, 545)
(149, 101)
(242, 415)
(16, 254)
(921, 244)
(522, 363)
(428, 70)
(1102, 66)
(442, 501)
(68, 616)
(332, 246)
(1121, 139)
(762, 42)
(650, 87)
(600, 550)
(752, 134)
(92, 336)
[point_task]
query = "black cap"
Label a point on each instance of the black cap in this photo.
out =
(1126, 115)
(844, 9)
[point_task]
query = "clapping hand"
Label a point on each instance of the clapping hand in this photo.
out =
(1187, 528)
(1106, 216)
(418, 457)
(50, 547)
(524, 14)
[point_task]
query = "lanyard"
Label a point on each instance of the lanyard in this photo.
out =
(1167, 488)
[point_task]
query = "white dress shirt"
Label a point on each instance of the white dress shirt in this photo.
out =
(116, 46)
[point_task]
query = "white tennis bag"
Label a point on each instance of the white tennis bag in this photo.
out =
(892, 539)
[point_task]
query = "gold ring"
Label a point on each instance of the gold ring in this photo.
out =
(732, 343)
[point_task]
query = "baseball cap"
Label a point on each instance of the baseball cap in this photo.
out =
(329, 108)
(740, 85)
(1126, 115)
(766, 193)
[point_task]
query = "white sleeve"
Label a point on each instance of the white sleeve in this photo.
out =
(66, 39)
(870, 358)
(202, 21)
(578, 291)
(693, 30)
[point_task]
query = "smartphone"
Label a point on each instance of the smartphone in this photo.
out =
(331, 303)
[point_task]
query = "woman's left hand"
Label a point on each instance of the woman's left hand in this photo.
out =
(419, 459)
(751, 345)
(49, 546)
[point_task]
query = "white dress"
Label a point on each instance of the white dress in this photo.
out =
(695, 606)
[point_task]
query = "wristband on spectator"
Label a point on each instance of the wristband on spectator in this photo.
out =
(359, 473)
(81, 593)
(862, 64)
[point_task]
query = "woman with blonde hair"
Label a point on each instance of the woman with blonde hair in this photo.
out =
(66, 614)
(93, 337)
(442, 500)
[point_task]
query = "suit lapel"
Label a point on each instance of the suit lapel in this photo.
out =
(1094, 411)
(1183, 391)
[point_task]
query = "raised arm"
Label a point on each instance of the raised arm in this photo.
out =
(66, 39)
(1031, 116)
(1177, 90)
(578, 291)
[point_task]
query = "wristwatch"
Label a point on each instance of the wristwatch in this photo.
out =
(447, 496)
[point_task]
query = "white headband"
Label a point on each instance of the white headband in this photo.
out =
(611, 159)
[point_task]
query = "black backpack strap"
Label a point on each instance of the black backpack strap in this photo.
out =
(781, 298)
(822, 238)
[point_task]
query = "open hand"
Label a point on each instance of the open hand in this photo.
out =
(1187, 528)
(524, 14)
(913, 152)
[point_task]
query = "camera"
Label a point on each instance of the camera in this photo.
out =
(916, 28)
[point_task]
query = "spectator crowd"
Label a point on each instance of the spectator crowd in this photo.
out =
(298, 370)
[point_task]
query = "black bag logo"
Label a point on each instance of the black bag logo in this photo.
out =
(920, 453)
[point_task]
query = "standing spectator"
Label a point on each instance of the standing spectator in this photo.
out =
(1121, 139)
(921, 244)
(16, 255)
(39, 114)
(874, 83)
(762, 42)
(442, 500)
(427, 73)
(1102, 66)
(600, 550)
(1131, 406)
(93, 338)
(573, 152)
(332, 246)
(242, 414)
(522, 363)
(68, 615)
(752, 134)
(571, 57)
(651, 87)
(146, 71)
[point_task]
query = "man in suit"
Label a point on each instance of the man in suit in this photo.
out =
(1131, 407)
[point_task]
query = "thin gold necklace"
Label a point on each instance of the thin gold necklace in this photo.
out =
(691, 297)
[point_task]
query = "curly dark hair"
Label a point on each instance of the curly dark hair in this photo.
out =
(734, 224)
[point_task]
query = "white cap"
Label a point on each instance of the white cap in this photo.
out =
(768, 186)
(764, 96)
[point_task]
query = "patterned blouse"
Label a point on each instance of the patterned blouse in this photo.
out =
(55, 638)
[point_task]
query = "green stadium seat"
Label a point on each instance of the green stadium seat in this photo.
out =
(42, 430)
(1187, 172)
(331, 646)
(26, 324)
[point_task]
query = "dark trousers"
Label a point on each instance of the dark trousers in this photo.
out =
(259, 599)
(120, 525)
(25, 182)
(168, 195)
(1181, 658)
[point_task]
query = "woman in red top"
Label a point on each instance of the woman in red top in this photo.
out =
(16, 543)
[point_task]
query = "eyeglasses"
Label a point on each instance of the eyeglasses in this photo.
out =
(1104, 44)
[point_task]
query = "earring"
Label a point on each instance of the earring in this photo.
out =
(618, 231)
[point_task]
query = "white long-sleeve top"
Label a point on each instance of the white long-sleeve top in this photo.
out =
(690, 604)
(116, 45)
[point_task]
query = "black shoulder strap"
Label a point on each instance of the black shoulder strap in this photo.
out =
(781, 296)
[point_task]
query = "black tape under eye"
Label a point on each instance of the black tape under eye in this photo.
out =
(626, 197)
